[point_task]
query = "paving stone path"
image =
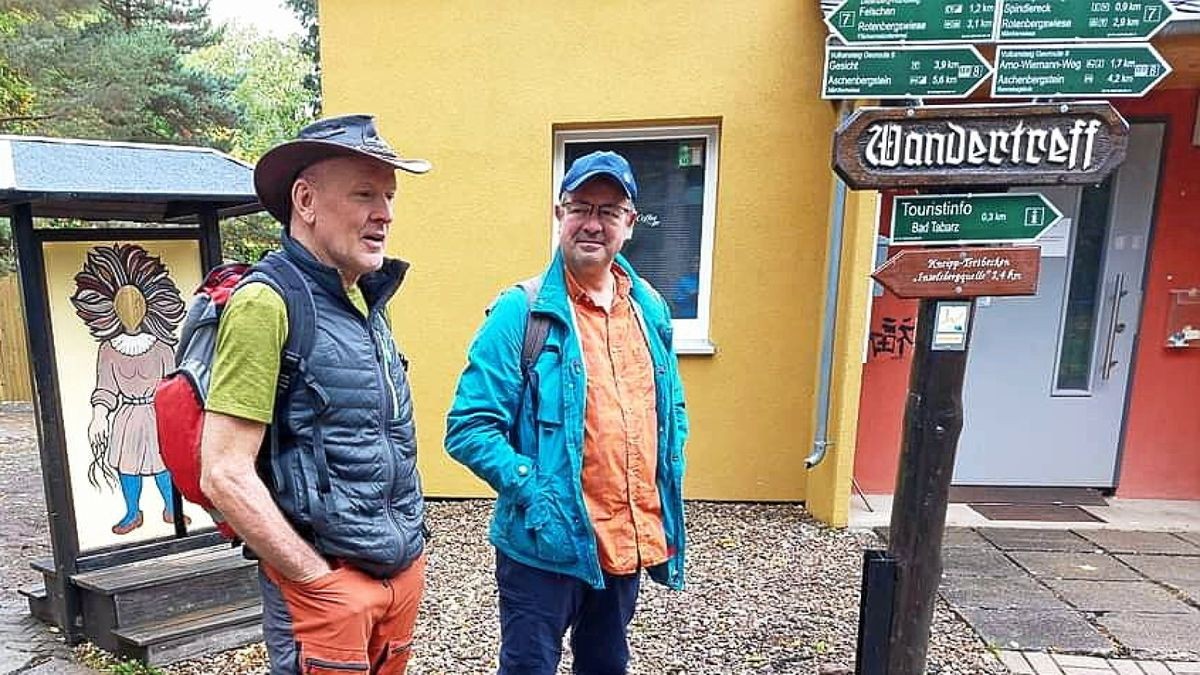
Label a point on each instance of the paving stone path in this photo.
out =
(26, 645)
(1104, 594)
(1041, 663)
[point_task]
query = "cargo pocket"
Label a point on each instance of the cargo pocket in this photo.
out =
(395, 659)
(317, 660)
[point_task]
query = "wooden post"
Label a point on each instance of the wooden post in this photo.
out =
(53, 446)
(210, 238)
(932, 422)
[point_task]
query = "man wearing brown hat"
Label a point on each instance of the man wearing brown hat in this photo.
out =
(331, 505)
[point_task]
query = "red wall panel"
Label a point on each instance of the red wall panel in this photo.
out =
(1161, 456)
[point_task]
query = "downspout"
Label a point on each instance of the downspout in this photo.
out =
(837, 225)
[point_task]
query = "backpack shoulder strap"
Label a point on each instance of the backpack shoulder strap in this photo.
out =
(282, 275)
(537, 326)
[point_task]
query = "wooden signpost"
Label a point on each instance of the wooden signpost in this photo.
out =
(961, 272)
(951, 147)
(947, 280)
(915, 49)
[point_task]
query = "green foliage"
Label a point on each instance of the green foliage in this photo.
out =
(16, 100)
(114, 69)
(273, 105)
(310, 46)
(156, 71)
(8, 252)
(133, 668)
(268, 94)
(93, 657)
(248, 238)
(187, 20)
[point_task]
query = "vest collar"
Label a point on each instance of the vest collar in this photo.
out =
(378, 287)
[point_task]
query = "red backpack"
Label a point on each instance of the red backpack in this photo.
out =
(179, 399)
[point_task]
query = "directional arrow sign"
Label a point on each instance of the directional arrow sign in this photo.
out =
(961, 272)
(972, 219)
(913, 21)
(1078, 70)
(911, 72)
(1031, 20)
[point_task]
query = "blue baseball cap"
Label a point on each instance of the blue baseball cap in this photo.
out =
(599, 163)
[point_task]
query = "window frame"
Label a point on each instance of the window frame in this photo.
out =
(692, 336)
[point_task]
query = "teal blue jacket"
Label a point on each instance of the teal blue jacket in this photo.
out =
(527, 442)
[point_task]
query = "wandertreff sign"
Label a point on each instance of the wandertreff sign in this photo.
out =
(1039, 144)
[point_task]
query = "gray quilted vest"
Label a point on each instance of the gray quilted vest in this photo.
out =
(345, 471)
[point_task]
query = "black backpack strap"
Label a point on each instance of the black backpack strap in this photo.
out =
(281, 274)
(537, 327)
(301, 313)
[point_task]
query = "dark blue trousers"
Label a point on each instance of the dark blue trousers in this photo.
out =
(537, 607)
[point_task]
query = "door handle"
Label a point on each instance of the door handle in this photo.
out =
(1115, 326)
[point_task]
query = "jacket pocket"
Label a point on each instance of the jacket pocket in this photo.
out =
(552, 532)
(541, 532)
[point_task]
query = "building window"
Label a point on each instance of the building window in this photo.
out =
(672, 244)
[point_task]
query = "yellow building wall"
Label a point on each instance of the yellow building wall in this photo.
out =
(478, 87)
(830, 481)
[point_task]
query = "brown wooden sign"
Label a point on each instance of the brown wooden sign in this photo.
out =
(1068, 143)
(961, 272)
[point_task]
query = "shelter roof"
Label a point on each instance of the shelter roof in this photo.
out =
(105, 180)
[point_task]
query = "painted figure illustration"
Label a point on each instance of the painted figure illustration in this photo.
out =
(132, 307)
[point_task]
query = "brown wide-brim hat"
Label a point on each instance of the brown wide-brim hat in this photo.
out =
(344, 136)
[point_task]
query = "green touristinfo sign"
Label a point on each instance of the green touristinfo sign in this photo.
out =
(1027, 20)
(1077, 70)
(971, 219)
(914, 21)
(909, 72)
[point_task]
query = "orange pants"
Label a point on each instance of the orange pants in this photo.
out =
(344, 622)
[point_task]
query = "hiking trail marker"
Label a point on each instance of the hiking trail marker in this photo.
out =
(1044, 20)
(903, 72)
(1005, 218)
(961, 272)
(1109, 71)
(984, 21)
(857, 21)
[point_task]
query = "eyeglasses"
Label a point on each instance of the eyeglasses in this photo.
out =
(610, 214)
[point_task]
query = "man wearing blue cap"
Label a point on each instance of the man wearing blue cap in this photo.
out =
(582, 439)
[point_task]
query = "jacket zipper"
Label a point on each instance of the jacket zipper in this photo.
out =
(383, 374)
(386, 357)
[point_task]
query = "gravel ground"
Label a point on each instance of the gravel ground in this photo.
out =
(24, 531)
(769, 591)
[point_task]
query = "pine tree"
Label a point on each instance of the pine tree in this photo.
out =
(114, 69)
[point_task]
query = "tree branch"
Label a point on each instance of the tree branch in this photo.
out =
(26, 118)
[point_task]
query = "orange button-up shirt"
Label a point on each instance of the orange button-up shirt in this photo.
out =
(620, 441)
